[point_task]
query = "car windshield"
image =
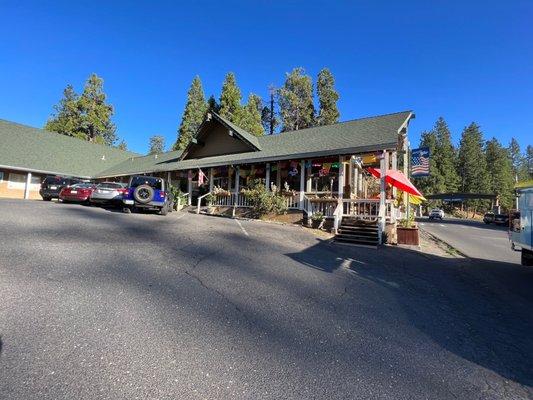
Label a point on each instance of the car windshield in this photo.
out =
(110, 185)
(156, 183)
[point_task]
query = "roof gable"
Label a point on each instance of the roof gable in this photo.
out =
(217, 136)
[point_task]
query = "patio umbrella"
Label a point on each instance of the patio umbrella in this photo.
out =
(397, 179)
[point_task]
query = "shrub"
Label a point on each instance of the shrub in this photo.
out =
(176, 194)
(264, 202)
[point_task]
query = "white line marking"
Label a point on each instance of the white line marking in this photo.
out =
(442, 225)
(242, 227)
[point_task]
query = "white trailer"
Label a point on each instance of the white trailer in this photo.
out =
(521, 232)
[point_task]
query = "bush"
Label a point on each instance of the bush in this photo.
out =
(264, 202)
(175, 194)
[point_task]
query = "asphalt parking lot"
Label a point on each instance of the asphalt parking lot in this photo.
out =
(96, 304)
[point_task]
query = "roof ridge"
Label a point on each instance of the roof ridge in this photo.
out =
(69, 137)
(338, 123)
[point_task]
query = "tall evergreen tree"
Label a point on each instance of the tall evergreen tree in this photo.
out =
(96, 113)
(250, 117)
(193, 114)
(296, 101)
(87, 116)
(230, 99)
(445, 159)
(327, 97)
(67, 117)
(157, 144)
(472, 162)
(123, 145)
(500, 172)
(212, 104)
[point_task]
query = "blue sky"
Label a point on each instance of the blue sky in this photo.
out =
(466, 62)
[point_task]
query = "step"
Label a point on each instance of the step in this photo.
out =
(356, 241)
(356, 238)
(360, 228)
(357, 233)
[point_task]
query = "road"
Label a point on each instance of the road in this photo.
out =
(97, 304)
(473, 238)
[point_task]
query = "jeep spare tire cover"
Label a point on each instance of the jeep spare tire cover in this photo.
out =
(143, 194)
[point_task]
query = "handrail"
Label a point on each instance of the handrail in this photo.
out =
(200, 201)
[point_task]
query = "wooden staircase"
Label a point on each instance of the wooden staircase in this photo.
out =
(358, 232)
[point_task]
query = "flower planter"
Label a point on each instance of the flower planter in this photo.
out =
(407, 236)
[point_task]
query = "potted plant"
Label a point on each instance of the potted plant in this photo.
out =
(209, 200)
(317, 220)
(407, 232)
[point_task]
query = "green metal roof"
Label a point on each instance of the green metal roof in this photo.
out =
(37, 150)
(351, 137)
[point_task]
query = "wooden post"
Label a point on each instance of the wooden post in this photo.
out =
(229, 178)
(341, 178)
(267, 176)
(278, 176)
(383, 171)
(309, 181)
(189, 187)
(302, 183)
(27, 186)
(211, 173)
(169, 178)
(237, 176)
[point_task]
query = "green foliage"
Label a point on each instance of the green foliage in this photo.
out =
(428, 184)
(250, 117)
(230, 99)
(318, 216)
(96, 113)
(193, 114)
(212, 104)
(472, 164)
(87, 116)
(500, 172)
(445, 158)
(296, 101)
(176, 194)
(263, 201)
(327, 97)
(123, 145)
(157, 144)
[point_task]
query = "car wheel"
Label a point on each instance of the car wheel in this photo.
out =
(47, 198)
(126, 210)
(143, 194)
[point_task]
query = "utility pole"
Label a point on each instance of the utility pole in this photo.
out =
(272, 90)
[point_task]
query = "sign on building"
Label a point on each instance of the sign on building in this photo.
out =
(420, 162)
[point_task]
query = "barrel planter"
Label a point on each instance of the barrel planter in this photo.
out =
(407, 236)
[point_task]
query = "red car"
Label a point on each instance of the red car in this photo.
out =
(78, 193)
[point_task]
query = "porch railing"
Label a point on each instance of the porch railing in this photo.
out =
(240, 200)
(366, 208)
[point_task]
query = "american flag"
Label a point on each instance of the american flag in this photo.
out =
(420, 162)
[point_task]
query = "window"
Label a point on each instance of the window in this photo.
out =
(16, 181)
(1, 176)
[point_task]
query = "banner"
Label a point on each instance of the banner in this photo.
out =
(420, 162)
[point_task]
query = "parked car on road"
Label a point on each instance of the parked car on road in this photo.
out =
(436, 213)
(108, 193)
(499, 219)
(148, 193)
(52, 185)
(78, 193)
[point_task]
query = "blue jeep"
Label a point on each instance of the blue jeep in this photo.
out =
(149, 193)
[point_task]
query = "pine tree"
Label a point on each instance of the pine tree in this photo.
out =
(67, 117)
(445, 159)
(212, 104)
(327, 97)
(193, 114)
(123, 145)
(250, 118)
(230, 99)
(96, 113)
(157, 144)
(500, 172)
(296, 101)
(472, 165)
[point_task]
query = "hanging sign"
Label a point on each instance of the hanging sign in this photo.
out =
(420, 162)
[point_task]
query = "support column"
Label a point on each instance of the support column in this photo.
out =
(278, 176)
(169, 178)
(341, 178)
(309, 180)
(237, 175)
(211, 170)
(394, 165)
(267, 176)
(302, 182)
(229, 178)
(383, 171)
(27, 186)
(189, 187)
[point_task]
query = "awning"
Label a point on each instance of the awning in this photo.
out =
(397, 179)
